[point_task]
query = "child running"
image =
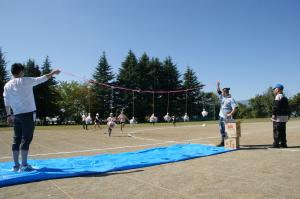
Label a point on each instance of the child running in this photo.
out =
(111, 123)
(97, 121)
(173, 119)
(122, 119)
(84, 124)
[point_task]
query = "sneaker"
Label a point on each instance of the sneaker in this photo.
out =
(283, 146)
(221, 144)
(16, 168)
(276, 146)
(26, 168)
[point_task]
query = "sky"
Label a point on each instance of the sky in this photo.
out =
(249, 45)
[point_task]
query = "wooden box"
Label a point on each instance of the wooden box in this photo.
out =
(233, 129)
(232, 143)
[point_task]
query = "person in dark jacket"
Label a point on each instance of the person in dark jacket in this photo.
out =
(280, 116)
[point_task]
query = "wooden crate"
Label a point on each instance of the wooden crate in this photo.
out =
(233, 129)
(232, 143)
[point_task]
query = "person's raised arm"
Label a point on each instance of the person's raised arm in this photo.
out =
(33, 81)
(52, 73)
(218, 87)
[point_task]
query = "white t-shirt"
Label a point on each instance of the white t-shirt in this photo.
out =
(227, 105)
(111, 119)
(88, 119)
(18, 93)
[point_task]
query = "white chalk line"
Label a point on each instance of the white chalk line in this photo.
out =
(104, 149)
(190, 140)
(136, 146)
(51, 149)
(59, 188)
(166, 127)
(91, 150)
(159, 187)
(293, 127)
(153, 129)
(284, 149)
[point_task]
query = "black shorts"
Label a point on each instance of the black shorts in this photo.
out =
(24, 125)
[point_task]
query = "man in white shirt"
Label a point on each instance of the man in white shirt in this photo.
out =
(18, 96)
(227, 110)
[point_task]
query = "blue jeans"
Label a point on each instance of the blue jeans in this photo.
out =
(222, 128)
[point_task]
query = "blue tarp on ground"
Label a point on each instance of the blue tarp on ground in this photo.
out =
(85, 165)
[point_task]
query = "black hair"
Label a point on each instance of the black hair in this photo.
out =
(226, 90)
(16, 68)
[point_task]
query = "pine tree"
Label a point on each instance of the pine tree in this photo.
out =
(103, 98)
(143, 70)
(171, 75)
(155, 73)
(128, 71)
(154, 77)
(190, 80)
(127, 77)
(3, 77)
(142, 100)
(46, 68)
(33, 70)
(48, 96)
(170, 80)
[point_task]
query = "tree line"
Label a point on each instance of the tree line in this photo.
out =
(68, 100)
(260, 106)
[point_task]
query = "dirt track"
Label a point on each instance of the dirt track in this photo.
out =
(255, 171)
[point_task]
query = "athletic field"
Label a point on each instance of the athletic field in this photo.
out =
(254, 171)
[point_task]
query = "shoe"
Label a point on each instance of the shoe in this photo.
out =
(16, 168)
(26, 168)
(283, 146)
(275, 146)
(221, 144)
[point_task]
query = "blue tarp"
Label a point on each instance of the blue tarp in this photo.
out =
(86, 165)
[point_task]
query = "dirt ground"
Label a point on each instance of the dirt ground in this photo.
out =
(254, 171)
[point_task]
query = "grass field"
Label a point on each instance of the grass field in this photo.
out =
(254, 171)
